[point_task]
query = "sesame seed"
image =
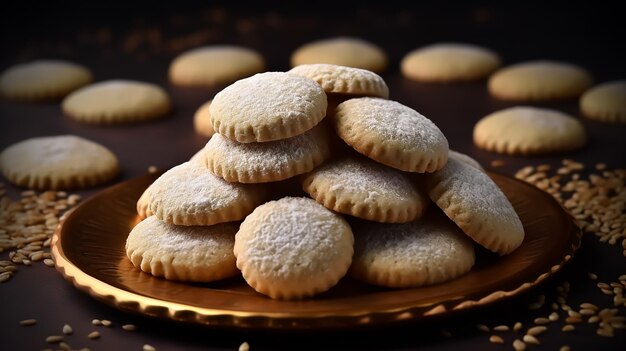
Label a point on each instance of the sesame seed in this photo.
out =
(28, 322)
(536, 330)
(147, 347)
(529, 339)
(519, 345)
(517, 326)
(93, 335)
(568, 328)
(501, 328)
(494, 339)
(54, 339)
(129, 327)
(67, 329)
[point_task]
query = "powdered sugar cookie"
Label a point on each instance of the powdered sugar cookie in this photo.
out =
(605, 102)
(202, 120)
(343, 51)
(344, 80)
(465, 158)
(143, 204)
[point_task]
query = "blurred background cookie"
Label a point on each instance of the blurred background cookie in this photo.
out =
(342, 51)
(605, 102)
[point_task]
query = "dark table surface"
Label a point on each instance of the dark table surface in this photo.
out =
(140, 40)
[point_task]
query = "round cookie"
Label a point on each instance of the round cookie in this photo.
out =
(448, 62)
(367, 190)
(344, 80)
(189, 194)
(529, 130)
(210, 66)
(465, 158)
(143, 204)
(117, 101)
(58, 162)
(293, 248)
(539, 81)
(193, 254)
(43, 80)
(268, 106)
(202, 120)
(605, 102)
(428, 251)
(391, 133)
(475, 203)
(267, 162)
(342, 51)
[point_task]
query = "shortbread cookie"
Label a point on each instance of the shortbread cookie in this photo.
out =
(194, 254)
(344, 80)
(465, 158)
(58, 162)
(267, 162)
(198, 157)
(367, 190)
(117, 101)
(539, 81)
(447, 62)
(43, 80)
(343, 51)
(143, 204)
(605, 102)
(211, 66)
(189, 194)
(293, 248)
(202, 120)
(268, 106)
(391, 133)
(529, 130)
(428, 251)
(475, 203)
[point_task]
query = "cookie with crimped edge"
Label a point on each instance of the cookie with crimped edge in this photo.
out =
(58, 162)
(391, 133)
(448, 62)
(42, 80)
(202, 120)
(117, 101)
(465, 158)
(428, 251)
(529, 130)
(267, 162)
(475, 203)
(184, 253)
(293, 248)
(189, 194)
(366, 189)
(210, 66)
(268, 106)
(336, 79)
(605, 102)
(539, 81)
(343, 51)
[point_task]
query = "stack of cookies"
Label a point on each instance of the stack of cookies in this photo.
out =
(370, 214)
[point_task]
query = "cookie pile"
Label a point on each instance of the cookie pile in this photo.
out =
(375, 172)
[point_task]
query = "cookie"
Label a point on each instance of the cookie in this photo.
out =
(117, 101)
(605, 102)
(268, 106)
(475, 203)
(210, 66)
(539, 81)
(293, 248)
(202, 120)
(342, 51)
(527, 130)
(267, 162)
(428, 251)
(43, 80)
(58, 162)
(344, 80)
(143, 204)
(193, 254)
(189, 194)
(392, 134)
(448, 62)
(465, 158)
(365, 189)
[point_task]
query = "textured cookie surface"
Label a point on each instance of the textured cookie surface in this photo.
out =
(117, 101)
(465, 158)
(342, 51)
(344, 80)
(267, 162)
(445, 62)
(529, 130)
(189, 194)
(391, 133)
(215, 65)
(195, 254)
(365, 189)
(605, 102)
(428, 251)
(58, 162)
(293, 248)
(268, 106)
(539, 81)
(43, 80)
(202, 120)
(475, 203)
(143, 204)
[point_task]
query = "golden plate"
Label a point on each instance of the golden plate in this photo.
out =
(88, 249)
